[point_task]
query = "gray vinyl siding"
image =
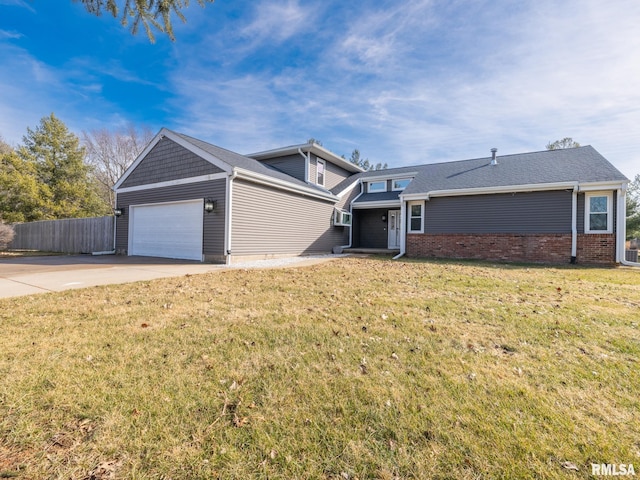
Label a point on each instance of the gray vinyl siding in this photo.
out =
(214, 224)
(369, 231)
(168, 161)
(334, 174)
(293, 165)
(531, 212)
(345, 202)
(267, 221)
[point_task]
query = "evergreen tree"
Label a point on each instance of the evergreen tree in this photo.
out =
(21, 195)
(149, 13)
(68, 190)
(365, 164)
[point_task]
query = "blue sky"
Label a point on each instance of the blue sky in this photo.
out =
(406, 82)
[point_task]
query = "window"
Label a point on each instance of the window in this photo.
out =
(320, 169)
(597, 212)
(376, 187)
(416, 217)
(401, 184)
(342, 218)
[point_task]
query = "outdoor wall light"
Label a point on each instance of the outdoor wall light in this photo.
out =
(384, 218)
(118, 212)
(209, 205)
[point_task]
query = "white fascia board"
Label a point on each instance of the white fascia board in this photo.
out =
(348, 189)
(379, 204)
(308, 147)
(540, 187)
(180, 141)
(282, 185)
(596, 186)
(381, 176)
(172, 183)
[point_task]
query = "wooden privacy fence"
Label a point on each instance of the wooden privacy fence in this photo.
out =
(74, 235)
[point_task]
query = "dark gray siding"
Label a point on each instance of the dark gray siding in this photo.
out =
(268, 221)
(213, 231)
(293, 165)
(168, 161)
(531, 212)
(369, 231)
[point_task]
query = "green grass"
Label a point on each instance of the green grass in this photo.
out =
(356, 368)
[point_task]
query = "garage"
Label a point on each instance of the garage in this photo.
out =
(168, 230)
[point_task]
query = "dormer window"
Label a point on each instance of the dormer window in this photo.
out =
(377, 187)
(400, 184)
(321, 167)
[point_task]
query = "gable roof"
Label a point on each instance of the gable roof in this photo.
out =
(583, 165)
(230, 161)
(317, 150)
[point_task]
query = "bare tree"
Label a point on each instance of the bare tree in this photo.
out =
(566, 142)
(110, 153)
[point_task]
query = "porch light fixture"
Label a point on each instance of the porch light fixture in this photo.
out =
(118, 212)
(209, 205)
(384, 218)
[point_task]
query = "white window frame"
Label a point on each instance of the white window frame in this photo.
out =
(587, 211)
(342, 218)
(409, 214)
(319, 162)
(376, 190)
(399, 189)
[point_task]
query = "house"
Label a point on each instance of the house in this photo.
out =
(185, 198)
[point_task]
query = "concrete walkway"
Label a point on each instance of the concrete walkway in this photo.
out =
(29, 275)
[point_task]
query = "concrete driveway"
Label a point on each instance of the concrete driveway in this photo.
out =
(29, 275)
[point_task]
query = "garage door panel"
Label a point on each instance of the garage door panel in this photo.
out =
(172, 230)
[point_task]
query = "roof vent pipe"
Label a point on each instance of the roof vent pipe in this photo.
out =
(494, 161)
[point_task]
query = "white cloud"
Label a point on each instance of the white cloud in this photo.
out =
(10, 34)
(17, 3)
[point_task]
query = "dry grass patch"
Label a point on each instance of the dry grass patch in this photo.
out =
(356, 368)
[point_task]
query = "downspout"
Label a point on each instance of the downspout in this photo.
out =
(574, 224)
(403, 229)
(307, 159)
(227, 240)
(351, 212)
(621, 229)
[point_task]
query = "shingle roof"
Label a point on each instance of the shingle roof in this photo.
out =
(582, 164)
(246, 163)
(378, 197)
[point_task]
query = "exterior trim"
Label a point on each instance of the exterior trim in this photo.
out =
(347, 189)
(380, 204)
(282, 185)
(587, 212)
(395, 176)
(171, 183)
(314, 148)
(180, 141)
(490, 190)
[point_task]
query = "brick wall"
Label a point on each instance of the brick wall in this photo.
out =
(596, 249)
(537, 248)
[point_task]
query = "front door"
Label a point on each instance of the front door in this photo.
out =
(393, 219)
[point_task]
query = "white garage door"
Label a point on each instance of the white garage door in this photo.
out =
(169, 230)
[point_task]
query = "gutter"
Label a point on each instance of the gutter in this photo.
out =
(282, 185)
(227, 238)
(574, 224)
(351, 212)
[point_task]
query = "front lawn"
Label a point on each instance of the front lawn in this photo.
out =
(356, 368)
